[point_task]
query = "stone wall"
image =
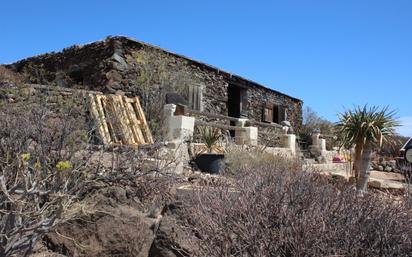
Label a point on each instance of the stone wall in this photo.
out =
(75, 67)
(115, 65)
(215, 87)
(257, 97)
(55, 102)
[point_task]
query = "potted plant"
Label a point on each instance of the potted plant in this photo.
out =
(210, 159)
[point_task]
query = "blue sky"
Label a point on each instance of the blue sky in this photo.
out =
(332, 54)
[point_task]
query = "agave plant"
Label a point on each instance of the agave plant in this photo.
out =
(366, 129)
(210, 136)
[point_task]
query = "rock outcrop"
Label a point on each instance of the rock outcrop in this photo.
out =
(111, 224)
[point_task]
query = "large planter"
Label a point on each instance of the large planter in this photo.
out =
(210, 162)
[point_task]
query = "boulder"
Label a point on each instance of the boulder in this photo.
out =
(119, 59)
(172, 238)
(113, 75)
(111, 224)
(392, 163)
(375, 183)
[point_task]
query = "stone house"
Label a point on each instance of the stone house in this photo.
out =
(114, 65)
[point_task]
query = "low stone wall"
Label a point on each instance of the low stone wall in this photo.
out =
(280, 151)
(26, 98)
(384, 165)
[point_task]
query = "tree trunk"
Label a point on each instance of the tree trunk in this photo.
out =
(364, 172)
(357, 159)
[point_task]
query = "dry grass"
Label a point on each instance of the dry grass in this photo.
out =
(239, 158)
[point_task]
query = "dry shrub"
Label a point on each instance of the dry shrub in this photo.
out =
(406, 169)
(47, 167)
(39, 171)
(239, 158)
(270, 137)
(277, 211)
(145, 171)
(390, 148)
(10, 76)
(311, 122)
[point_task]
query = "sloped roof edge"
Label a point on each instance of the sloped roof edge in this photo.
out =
(196, 62)
(229, 74)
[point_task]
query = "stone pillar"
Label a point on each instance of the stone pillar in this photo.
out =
(322, 145)
(240, 136)
(169, 110)
(318, 148)
(315, 139)
(247, 135)
(290, 142)
(178, 128)
(241, 122)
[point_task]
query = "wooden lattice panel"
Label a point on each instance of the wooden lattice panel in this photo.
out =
(120, 120)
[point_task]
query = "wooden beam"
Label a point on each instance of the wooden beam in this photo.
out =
(123, 120)
(108, 110)
(97, 110)
(212, 115)
(134, 122)
(146, 130)
(216, 125)
(262, 124)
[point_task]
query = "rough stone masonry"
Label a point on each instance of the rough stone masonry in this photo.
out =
(114, 65)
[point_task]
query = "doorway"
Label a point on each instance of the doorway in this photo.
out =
(236, 103)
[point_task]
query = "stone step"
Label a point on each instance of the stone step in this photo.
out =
(327, 167)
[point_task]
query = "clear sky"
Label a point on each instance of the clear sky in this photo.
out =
(332, 54)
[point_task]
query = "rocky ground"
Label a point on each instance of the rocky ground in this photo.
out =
(111, 215)
(141, 217)
(382, 165)
(151, 223)
(378, 179)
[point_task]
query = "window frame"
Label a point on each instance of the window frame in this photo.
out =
(195, 97)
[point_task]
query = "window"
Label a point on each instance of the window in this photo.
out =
(279, 113)
(274, 113)
(267, 112)
(195, 97)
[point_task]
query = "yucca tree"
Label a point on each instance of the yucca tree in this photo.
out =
(365, 128)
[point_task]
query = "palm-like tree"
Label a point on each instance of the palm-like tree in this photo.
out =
(366, 129)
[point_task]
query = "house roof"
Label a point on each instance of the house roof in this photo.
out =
(205, 65)
(226, 74)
